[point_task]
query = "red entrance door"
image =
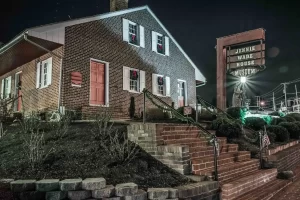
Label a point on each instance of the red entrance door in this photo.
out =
(97, 94)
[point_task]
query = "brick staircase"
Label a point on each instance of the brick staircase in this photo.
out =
(181, 148)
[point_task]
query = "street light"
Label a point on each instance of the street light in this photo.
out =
(243, 79)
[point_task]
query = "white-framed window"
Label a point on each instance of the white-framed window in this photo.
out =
(133, 79)
(6, 87)
(133, 33)
(160, 85)
(160, 43)
(44, 73)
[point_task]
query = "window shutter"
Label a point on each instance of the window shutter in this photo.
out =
(2, 88)
(38, 66)
(142, 36)
(168, 89)
(154, 84)
(125, 30)
(185, 93)
(9, 86)
(154, 41)
(142, 80)
(126, 78)
(49, 71)
(167, 46)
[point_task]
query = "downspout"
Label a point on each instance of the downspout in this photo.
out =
(60, 70)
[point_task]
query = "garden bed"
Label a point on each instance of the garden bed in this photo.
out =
(78, 154)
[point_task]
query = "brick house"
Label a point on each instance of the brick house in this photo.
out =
(98, 61)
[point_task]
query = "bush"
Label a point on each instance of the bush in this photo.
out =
(272, 136)
(297, 123)
(276, 113)
(219, 121)
(229, 130)
(234, 112)
(255, 123)
(289, 118)
(277, 121)
(292, 128)
(155, 114)
(296, 116)
(131, 108)
(282, 135)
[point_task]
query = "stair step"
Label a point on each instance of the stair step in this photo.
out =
(223, 159)
(271, 190)
(238, 187)
(232, 171)
(198, 152)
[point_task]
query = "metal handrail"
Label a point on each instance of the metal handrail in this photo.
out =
(213, 139)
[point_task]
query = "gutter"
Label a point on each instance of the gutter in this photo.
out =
(201, 84)
(54, 54)
(11, 43)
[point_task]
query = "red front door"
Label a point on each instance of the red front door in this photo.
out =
(97, 92)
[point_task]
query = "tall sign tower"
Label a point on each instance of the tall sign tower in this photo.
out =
(240, 55)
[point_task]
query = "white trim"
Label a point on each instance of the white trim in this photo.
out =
(106, 83)
(185, 91)
(19, 72)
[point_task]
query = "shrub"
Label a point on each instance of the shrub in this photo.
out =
(255, 123)
(296, 116)
(277, 121)
(292, 128)
(229, 130)
(206, 115)
(131, 108)
(234, 112)
(155, 114)
(272, 136)
(297, 123)
(282, 135)
(289, 118)
(219, 121)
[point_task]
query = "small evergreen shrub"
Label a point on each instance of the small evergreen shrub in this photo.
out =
(234, 112)
(229, 130)
(272, 137)
(155, 114)
(219, 121)
(275, 113)
(131, 108)
(292, 128)
(277, 121)
(289, 118)
(296, 116)
(297, 123)
(255, 123)
(282, 135)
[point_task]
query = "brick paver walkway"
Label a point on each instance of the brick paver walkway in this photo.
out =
(291, 192)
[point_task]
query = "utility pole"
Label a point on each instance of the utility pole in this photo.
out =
(284, 91)
(274, 105)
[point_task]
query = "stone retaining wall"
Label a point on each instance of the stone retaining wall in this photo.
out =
(96, 188)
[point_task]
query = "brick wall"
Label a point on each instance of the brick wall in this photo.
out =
(38, 99)
(102, 40)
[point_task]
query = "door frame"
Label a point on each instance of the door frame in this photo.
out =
(106, 64)
(15, 88)
(185, 91)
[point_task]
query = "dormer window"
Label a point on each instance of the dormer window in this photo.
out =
(133, 33)
(160, 43)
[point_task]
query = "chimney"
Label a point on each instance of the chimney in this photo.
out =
(116, 5)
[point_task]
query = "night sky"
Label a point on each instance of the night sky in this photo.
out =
(194, 23)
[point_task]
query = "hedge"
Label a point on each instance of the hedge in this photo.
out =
(219, 121)
(292, 128)
(296, 116)
(277, 121)
(229, 130)
(282, 134)
(289, 118)
(234, 112)
(255, 123)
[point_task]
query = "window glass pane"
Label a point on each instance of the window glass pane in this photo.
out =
(45, 68)
(160, 44)
(133, 34)
(134, 80)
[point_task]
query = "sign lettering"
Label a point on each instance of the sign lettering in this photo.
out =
(245, 50)
(245, 57)
(246, 63)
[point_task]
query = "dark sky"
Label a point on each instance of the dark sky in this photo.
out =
(194, 23)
